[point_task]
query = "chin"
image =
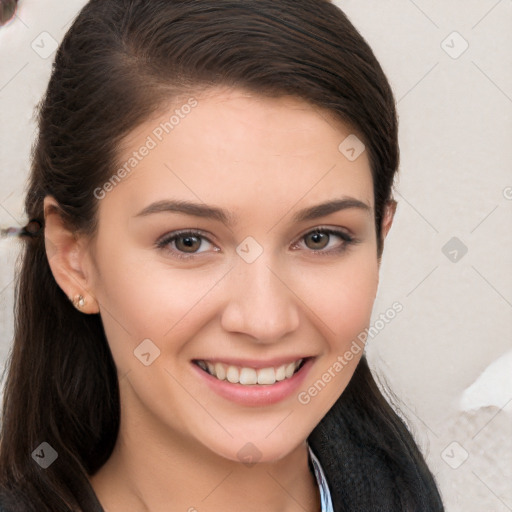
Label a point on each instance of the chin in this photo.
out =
(257, 449)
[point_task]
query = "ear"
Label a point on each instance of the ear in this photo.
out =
(65, 252)
(387, 218)
(386, 223)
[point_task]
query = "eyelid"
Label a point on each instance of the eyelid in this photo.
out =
(187, 231)
(336, 230)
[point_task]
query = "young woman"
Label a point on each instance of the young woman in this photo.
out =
(213, 182)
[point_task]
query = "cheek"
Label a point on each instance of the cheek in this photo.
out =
(343, 307)
(144, 299)
(341, 297)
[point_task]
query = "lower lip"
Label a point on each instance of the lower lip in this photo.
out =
(256, 394)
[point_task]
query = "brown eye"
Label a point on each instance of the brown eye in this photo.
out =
(187, 243)
(326, 241)
(318, 240)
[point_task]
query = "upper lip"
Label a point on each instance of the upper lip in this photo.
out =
(253, 363)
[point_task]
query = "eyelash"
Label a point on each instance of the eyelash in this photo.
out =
(347, 239)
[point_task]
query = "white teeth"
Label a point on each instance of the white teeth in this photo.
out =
(232, 374)
(220, 371)
(250, 376)
(281, 373)
(290, 369)
(266, 376)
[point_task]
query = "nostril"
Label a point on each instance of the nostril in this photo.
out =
(7, 10)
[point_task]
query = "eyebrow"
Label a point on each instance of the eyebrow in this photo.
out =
(212, 212)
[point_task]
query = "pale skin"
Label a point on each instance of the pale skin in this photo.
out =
(261, 160)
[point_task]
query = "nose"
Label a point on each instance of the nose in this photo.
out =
(260, 303)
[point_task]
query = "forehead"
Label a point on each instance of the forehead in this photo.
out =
(241, 150)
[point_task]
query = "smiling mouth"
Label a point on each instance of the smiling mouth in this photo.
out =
(250, 376)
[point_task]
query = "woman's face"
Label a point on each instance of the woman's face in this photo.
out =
(206, 257)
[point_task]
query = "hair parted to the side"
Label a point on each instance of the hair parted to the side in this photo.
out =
(119, 63)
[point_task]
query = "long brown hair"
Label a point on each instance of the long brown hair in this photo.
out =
(118, 64)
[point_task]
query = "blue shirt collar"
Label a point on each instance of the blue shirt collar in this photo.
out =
(325, 494)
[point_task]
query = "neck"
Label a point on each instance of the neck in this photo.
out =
(153, 469)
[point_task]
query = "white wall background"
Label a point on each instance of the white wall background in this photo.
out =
(447, 355)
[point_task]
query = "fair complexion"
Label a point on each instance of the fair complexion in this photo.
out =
(264, 163)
